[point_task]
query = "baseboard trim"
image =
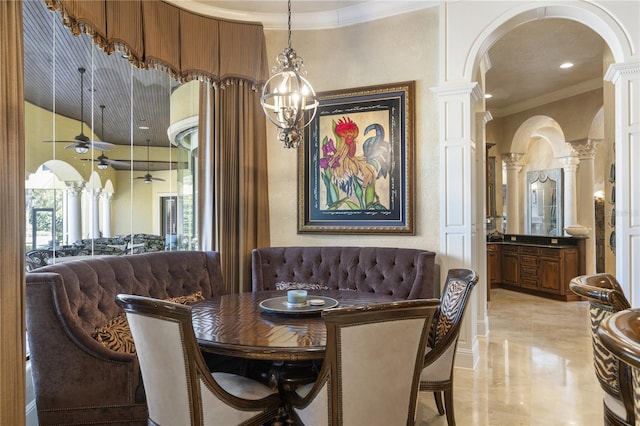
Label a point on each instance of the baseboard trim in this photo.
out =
(466, 358)
(483, 326)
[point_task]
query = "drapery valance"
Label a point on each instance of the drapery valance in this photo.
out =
(156, 34)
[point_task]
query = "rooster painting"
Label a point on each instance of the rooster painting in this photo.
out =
(350, 175)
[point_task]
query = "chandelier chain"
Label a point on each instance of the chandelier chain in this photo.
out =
(289, 24)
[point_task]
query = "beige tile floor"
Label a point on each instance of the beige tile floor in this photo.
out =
(535, 368)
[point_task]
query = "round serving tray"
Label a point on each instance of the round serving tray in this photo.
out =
(279, 305)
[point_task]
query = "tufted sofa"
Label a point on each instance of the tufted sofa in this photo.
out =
(401, 272)
(76, 379)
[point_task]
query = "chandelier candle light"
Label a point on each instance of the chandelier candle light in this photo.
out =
(287, 95)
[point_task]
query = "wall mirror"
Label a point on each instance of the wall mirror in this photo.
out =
(129, 188)
(544, 200)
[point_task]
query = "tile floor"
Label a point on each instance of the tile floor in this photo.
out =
(535, 368)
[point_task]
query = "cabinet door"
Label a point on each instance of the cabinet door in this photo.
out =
(493, 261)
(510, 268)
(551, 274)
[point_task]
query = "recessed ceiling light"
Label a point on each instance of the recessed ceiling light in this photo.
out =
(143, 127)
(566, 65)
(488, 96)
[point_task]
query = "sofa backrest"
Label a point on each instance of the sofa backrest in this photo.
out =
(401, 272)
(85, 290)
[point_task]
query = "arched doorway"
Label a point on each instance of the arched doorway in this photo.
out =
(461, 104)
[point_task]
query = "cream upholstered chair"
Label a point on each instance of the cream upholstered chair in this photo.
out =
(371, 367)
(620, 333)
(437, 372)
(606, 297)
(180, 389)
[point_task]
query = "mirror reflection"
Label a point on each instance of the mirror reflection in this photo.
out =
(106, 172)
(544, 202)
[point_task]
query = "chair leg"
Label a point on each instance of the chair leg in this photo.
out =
(438, 397)
(448, 403)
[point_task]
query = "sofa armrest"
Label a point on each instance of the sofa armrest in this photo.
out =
(63, 353)
(424, 286)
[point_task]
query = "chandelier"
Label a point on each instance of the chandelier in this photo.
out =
(287, 96)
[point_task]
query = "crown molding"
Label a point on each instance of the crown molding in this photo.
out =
(358, 13)
(583, 87)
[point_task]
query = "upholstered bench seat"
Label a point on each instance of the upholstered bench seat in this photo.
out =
(401, 272)
(77, 379)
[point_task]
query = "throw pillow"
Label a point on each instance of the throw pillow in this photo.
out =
(300, 286)
(116, 335)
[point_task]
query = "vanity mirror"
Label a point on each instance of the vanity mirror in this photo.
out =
(544, 200)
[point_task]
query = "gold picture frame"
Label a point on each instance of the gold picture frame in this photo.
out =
(356, 162)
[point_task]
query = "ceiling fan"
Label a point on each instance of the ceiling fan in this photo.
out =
(148, 178)
(103, 161)
(81, 143)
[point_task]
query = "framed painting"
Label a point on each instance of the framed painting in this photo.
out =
(355, 168)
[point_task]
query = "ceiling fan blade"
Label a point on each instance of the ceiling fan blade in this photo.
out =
(102, 146)
(120, 163)
(73, 145)
(60, 141)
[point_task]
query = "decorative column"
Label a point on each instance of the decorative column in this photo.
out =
(570, 165)
(586, 150)
(513, 164)
(459, 227)
(65, 219)
(72, 219)
(93, 215)
(106, 213)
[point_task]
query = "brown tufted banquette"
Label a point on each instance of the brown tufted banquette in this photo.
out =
(401, 272)
(76, 379)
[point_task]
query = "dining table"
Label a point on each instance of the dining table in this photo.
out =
(237, 325)
(287, 343)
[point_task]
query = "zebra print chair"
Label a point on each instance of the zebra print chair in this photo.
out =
(620, 334)
(437, 372)
(606, 297)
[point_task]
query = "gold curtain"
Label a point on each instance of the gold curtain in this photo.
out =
(233, 193)
(12, 219)
(160, 35)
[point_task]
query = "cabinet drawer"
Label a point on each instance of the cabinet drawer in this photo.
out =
(528, 261)
(549, 252)
(509, 249)
(529, 282)
(534, 251)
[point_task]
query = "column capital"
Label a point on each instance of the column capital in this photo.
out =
(585, 148)
(73, 187)
(513, 160)
(484, 116)
(569, 163)
(94, 192)
(617, 71)
(106, 195)
(459, 89)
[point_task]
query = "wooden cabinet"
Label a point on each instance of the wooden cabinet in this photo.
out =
(510, 266)
(494, 267)
(540, 270)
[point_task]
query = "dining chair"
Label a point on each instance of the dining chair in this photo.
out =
(179, 387)
(620, 333)
(371, 367)
(605, 297)
(437, 370)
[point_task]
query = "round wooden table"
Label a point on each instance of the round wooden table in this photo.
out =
(235, 325)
